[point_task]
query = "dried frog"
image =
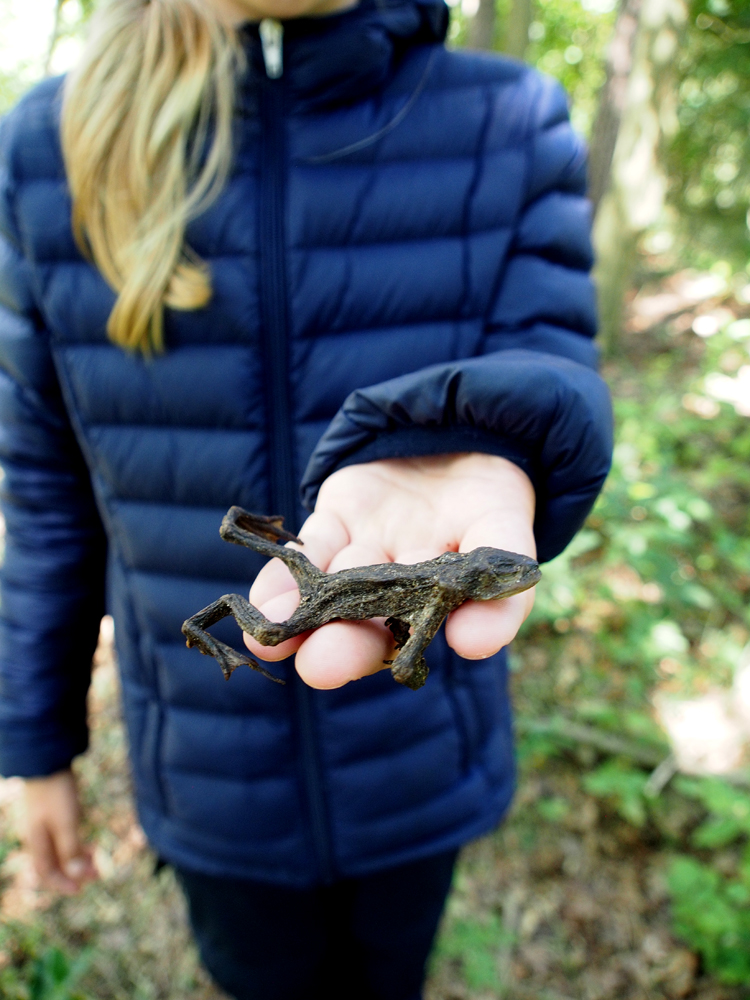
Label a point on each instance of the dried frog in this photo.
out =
(414, 599)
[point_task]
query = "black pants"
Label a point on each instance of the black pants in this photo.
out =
(358, 939)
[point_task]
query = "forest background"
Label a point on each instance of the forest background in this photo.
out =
(624, 868)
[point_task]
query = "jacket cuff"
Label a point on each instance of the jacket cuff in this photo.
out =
(549, 415)
(37, 755)
(412, 442)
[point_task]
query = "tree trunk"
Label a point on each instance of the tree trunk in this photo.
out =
(517, 28)
(616, 247)
(482, 29)
(612, 100)
(54, 37)
(634, 197)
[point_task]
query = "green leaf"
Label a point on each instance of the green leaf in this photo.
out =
(623, 786)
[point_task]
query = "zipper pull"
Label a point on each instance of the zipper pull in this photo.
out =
(271, 40)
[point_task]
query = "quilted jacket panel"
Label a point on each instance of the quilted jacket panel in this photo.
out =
(400, 263)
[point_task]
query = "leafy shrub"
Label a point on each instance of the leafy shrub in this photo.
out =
(475, 944)
(33, 969)
(624, 786)
(712, 914)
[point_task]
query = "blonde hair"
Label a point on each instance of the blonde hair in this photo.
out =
(146, 136)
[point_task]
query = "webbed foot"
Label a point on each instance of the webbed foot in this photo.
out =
(411, 675)
(227, 658)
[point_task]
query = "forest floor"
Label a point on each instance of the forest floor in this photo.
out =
(564, 902)
(568, 900)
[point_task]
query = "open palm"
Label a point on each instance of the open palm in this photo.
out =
(403, 510)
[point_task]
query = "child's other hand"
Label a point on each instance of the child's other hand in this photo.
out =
(403, 510)
(52, 836)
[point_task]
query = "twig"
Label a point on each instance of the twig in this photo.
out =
(647, 754)
(511, 916)
(660, 777)
(54, 37)
(660, 759)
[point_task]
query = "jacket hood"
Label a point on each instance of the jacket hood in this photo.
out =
(343, 57)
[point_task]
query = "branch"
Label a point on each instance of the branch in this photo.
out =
(647, 754)
(658, 758)
(54, 37)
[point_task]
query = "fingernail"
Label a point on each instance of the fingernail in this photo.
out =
(75, 868)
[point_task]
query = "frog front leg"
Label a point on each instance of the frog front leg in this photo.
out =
(409, 666)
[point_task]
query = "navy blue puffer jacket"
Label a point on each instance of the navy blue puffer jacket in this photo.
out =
(400, 262)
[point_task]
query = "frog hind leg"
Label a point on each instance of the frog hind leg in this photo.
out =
(194, 630)
(265, 535)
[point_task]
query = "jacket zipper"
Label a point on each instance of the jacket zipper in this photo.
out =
(272, 43)
(278, 403)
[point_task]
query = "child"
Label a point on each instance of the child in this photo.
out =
(248, 245)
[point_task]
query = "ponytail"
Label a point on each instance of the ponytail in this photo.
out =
(146, 136)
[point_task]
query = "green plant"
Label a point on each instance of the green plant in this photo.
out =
(712, 914)
(32, 968)
(728, 810)
(711, 910)
(708, 156)
(54, 975)
(475, 944)
(624, 786)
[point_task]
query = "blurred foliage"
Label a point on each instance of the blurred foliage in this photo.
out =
(31, 968)
(712, 908)
(567, 40)
(474, 944)
(708, 157)
(653, 596)
(712, 914)
(54, 51)
(624, 786)
(708, 161)
(657, 584)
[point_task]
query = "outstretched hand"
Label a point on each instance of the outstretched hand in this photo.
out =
(406, 511)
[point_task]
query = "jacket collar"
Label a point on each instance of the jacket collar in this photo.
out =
(343, 57)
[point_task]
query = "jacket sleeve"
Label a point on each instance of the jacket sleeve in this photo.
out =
(533, 395)
(52, 576)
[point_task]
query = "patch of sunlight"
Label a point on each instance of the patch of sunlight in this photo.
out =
(710, 734)
(734, 390)
(25, 30)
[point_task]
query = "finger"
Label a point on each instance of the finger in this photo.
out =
(278, 609)
(344, 651)
(509, 532)
(481, 628)
(323, 535)
(357, 554)
(81, 869)
(409, 556)
(340, 652)
(73, 859)
(41, 846)
(274, 592)
(273, 579)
